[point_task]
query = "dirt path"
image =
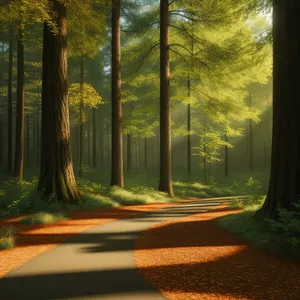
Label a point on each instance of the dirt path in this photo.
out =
(98, 263)
(192, 258)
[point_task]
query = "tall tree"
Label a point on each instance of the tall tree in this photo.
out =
(284, 185)
(165, 182)
(117, 177)
(56, 173)
(19, 145)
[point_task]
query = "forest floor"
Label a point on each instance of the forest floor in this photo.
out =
(194, 258)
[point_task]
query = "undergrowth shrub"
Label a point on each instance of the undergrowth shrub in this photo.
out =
(7, 237)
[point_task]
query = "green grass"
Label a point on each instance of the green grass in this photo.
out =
(42, 218)
(278, 237)
(7, 237)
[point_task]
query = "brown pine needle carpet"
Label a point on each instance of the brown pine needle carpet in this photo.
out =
(193, 258)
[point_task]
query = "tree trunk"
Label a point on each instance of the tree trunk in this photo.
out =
(250, 138)
(146, 152)
(1, 139)
(27, 140)
(226, 158)
(56, 174)
(94, 140)
(129, 154)
(19, 146)
(38, 134)
(117, 177)
(189, 152)
(9, 106)
(284, 185)
(80, 174)
(165, 182)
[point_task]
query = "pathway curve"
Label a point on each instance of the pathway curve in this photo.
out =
(96, 264)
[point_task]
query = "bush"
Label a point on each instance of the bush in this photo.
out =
(7, 237)
(42, 218)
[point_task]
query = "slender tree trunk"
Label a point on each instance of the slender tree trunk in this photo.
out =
(80, 174)
(146, 152)
(129, 154)
(27, 139)
(165, 182)
(56, 174)
(189, 152)
(89, 143)
(38, 134)
(9, 106)
(1, 138)
(101, 147)
(117, 177)
(19, 146)
(1, 106)
(94, 140)
(284, 184)
(250, 137)
(226, 158)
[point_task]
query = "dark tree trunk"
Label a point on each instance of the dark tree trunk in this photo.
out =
(80, 174)
(146, 153)
(117, 177)
(38, 134)
(89, 143)
(19, 146)
(165, 182)
(250, 137)
(9, 106)
(226, 162)
(189, 152)
(27, 139)
(284, 185)
(1, 139)
(101, 147)
(56, 174)
(94, 140)
(129, 154)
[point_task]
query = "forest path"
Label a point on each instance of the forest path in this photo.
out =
(96, 264)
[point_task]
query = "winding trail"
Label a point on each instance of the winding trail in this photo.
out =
(97, 263)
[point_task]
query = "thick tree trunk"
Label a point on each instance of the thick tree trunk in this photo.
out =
(226, 162)
(9, 106)
(80, 174)
(189, 152)
(94, 140)
(250, 137)
(56, 174)
(165, 182)
(284, 186)
(117, 177)
(129, 154)
(19, 145)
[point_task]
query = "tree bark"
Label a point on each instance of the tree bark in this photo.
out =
(146, 153)
(226, 162)
(117, 177)
(56, 173)
(189, 152)
(27, 139)
(9, 105)
(165, 182)
(19, 145)
(80, 174)
(129, 154)
(38, 134)
(284, 184)
(94, 140)
(250, 137)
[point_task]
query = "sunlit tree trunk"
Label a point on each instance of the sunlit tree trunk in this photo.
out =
(189, 152)
(165, 182)
(19, 145)
(226, 162)
(129, 154)
(56, 173)
(38, 142)
(250, 137)
(145, 153)
(117, 177)
(81, 116)
(94, 140)
(27, 140)
(284, 185)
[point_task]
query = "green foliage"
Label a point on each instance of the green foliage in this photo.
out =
(253, 186)
(7, 237)
(42, 218)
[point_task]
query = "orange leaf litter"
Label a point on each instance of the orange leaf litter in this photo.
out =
(193, 258)
(32, 240)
